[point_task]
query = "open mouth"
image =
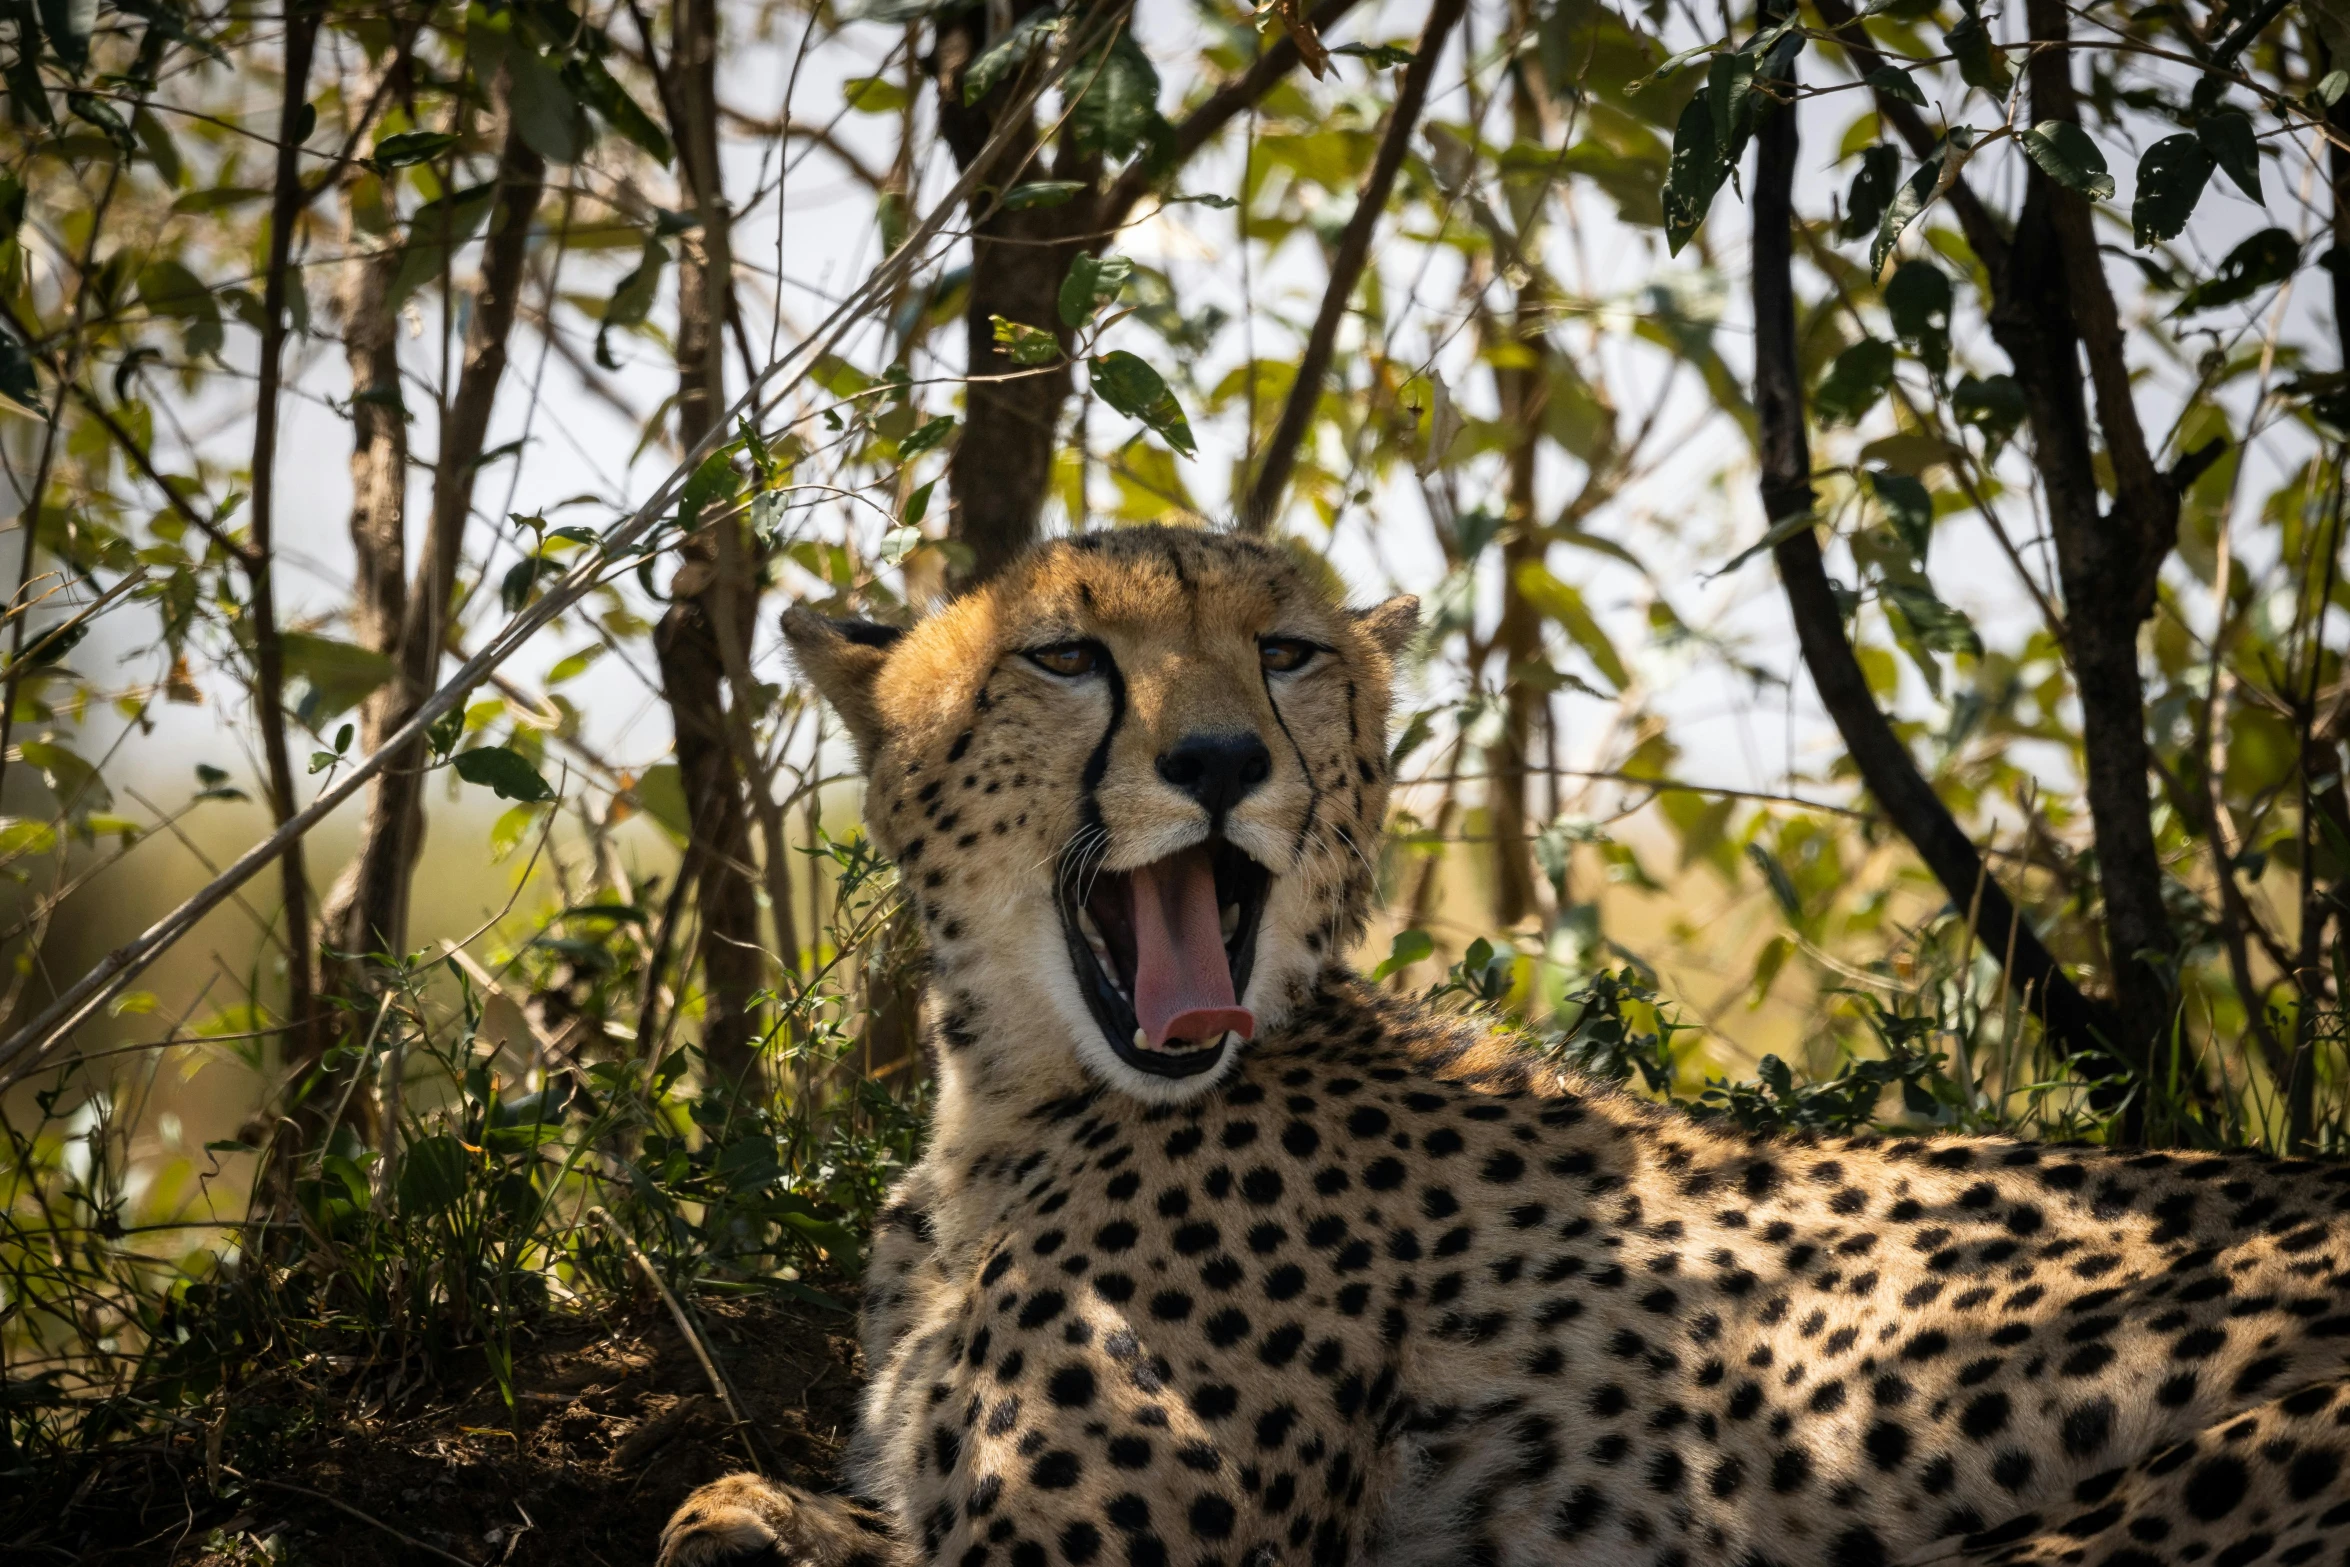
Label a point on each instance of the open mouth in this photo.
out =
(1163, 952)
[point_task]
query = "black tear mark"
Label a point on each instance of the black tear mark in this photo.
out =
(1297, 849)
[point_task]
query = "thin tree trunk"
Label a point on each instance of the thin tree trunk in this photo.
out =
(305, 1041)
(1346, 269)
(2047, 290)
(1524, 389)
(712, 611)
(368, 913)
(1000, 471)
(2078, 1027)
(2107, 562)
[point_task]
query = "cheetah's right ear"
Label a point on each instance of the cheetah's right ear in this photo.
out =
(1392, 624)
(841, 659)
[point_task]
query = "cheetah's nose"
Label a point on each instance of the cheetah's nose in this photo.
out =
(1217, 770)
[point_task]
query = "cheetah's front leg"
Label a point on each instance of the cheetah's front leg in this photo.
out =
(748, 1518)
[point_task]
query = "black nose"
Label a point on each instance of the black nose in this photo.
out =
(1219, 771)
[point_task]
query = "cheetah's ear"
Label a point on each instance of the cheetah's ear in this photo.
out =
(841, 659)
(1392, 624)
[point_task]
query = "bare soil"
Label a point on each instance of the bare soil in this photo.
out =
(614, 1423)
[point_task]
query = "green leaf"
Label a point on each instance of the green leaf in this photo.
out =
(1093, 281)
(70, 777)
(1908, 506)
(1933, 623)
(513, 825)
(1131, 386)
(1115, 99)
(713, 483)
(22, 835)
(546, 113)
(2268, 257)
(1408, 947)
(2066, 155)
(1025, 344)
(1561, 603)
(409, 147)
(1918, 297)
(438, 228)
(1854, 383)
(2228, 137)
(1896, 84)
(506, 773)
(97, 111)
(874, 95)
(433, 1175)
(573, 665)
(632, 298)
(918, 505)
(928, 436)
(1729, 96)
(69, 24)
(596, 87)
(1041, 193)
(1979, 62)
(1779, 533)
(169, 289)
(338, 675)
(1697, 171)
(1994, 405)
(1782, 885)
(1915, 194)
(2171, 178)
(1013, 51)
(1380, 57)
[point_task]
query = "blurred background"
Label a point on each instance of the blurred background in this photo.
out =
(1882, 662)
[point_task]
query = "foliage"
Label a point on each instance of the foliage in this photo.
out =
(693, 1031)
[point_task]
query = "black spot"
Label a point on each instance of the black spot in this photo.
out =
(1857, 1546)
(2215, 1488)
(1985, 1417)
(1042, 1307)
(2088, 1427)
(1071, 1387)
(1057, 1470)
(1212, 1517)
(2312, 1471)
(1888, 1444)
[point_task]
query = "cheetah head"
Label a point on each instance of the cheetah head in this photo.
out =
(1134, 786)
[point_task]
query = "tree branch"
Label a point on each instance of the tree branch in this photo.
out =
(1220, 108)
(1982, 230)
(2078, 1027)
(1346, 269)
(269, 695)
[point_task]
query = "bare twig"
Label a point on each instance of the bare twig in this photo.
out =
(1346, 269)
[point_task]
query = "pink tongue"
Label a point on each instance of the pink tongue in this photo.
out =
(1182, 984)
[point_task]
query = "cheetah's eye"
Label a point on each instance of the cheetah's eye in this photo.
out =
(1281, 655)
(1067, 658)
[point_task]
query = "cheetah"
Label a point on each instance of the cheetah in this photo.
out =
(1220, 1255)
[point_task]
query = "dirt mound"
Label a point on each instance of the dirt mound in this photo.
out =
(613, 1424)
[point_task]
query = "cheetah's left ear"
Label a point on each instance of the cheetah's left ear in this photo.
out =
(1392, 624)
(841, 659)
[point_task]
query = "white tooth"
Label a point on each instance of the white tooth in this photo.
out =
(1142, 1041)
(1231, 919)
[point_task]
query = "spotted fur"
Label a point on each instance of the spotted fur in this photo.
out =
(1387, 1291)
